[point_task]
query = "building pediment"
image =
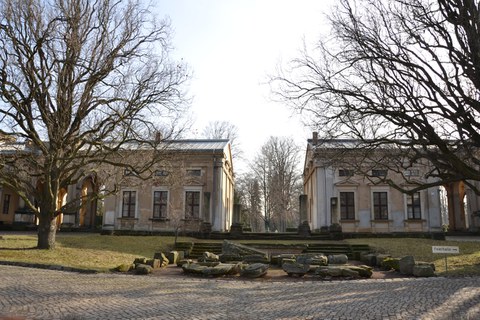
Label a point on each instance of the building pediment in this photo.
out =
(347, 183)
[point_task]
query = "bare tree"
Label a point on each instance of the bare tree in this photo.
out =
(82, 84)
(249, 196)
(399, 75)
(275, 167)
(224, 130)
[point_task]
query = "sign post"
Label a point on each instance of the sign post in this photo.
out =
(445, 250)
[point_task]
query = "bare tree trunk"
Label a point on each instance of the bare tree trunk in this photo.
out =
(47, 229)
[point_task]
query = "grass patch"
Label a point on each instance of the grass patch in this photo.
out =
(467, 263)
(84, 251)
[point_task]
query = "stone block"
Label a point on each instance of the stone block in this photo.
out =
(183, 261)
(320, 260)
(125, 267)
(423, 263)
(423, 271)
(140, 261)
(337, 259)
(254, 270)
(154, 263)
(173, 257)
(221, 269)
(193, 268)
(369, 259)
(281, 257)
(286, 260)
(329, 271)
(313, 258)
(406, 265)
(163, 259)
(209, 263)
(295, 269)
(380, 258)
(256, 258)
(230, 258)
(391, 263)
(363, 271)
(344, 271)
(143, 269)
(209, 257)
(349, 273)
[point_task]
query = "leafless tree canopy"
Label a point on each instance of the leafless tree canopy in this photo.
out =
(249, 194)
(275, 169)
(224, 130)
(397, 74)
(80, 81)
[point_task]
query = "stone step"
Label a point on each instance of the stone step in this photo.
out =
(200, 247)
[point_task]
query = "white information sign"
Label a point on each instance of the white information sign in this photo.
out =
(445, 249)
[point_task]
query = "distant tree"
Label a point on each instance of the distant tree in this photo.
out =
(249, 195)
(224, 130)
(398, 75)
(82, 83)
(275, 168)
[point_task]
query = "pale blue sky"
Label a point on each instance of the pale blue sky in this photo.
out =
(232, 45)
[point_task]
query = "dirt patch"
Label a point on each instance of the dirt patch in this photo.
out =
(274, 274)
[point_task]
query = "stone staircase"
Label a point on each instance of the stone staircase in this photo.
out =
(193, 250)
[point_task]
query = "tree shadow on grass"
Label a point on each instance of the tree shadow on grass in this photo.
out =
(19, 249)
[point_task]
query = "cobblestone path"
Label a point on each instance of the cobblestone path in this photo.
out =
(46, 294)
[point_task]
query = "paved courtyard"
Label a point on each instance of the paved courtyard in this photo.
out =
(46, 294)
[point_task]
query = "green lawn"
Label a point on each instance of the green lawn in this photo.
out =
(85, 251)
(102, 253)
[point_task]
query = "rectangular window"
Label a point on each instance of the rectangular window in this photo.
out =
(345, 172)
(380, 205)
(6, 204)
(160, 204)
(347, 205)
(192, 204)
(379, 173)
(411, 173)
(413, 206)
(129, 204)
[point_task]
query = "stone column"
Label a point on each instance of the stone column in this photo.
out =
(304, 227)
(206, 207)
(236, 229)
(236, 213)
(303, 208)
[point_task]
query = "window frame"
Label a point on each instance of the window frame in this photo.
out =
(410, 204)
(160, 205)
(379, 173)
(135, 206)
(383, 206)
(345, 172)
(6, 203)
(194, 205)
(411, 172)
(349, 215)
